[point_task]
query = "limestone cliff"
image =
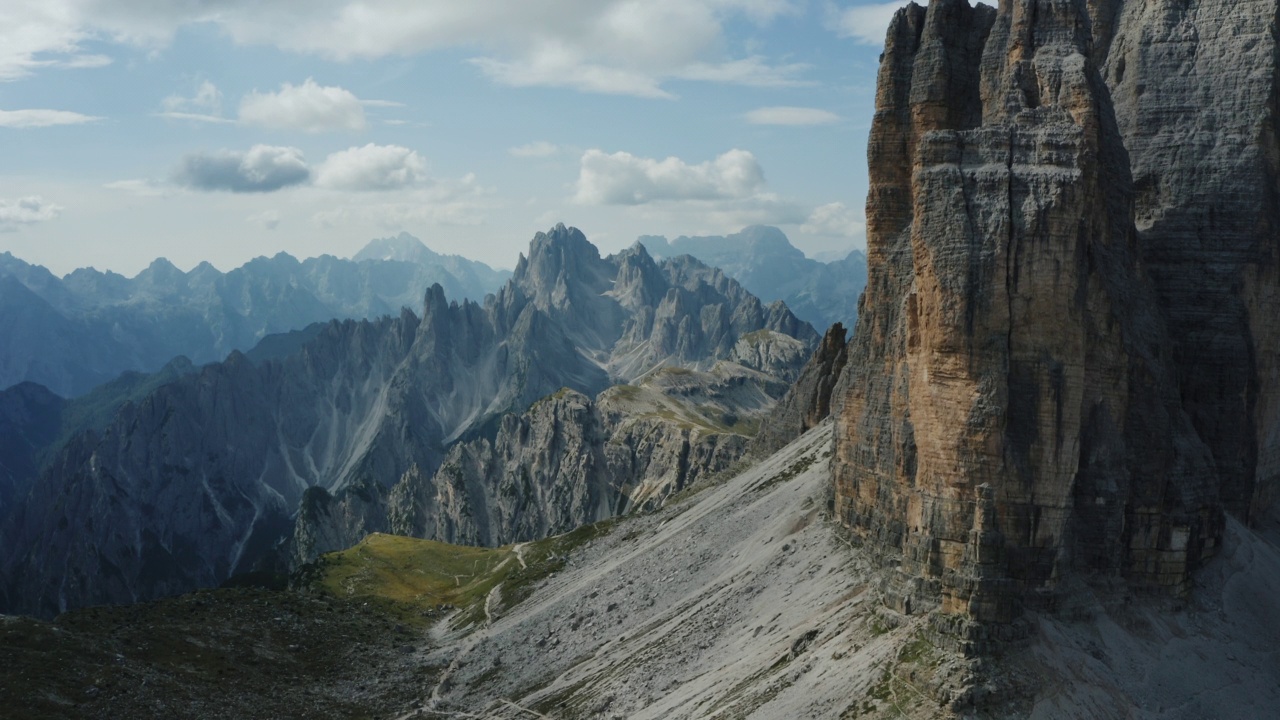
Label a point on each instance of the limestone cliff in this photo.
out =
(1012, 410)
(567, 461)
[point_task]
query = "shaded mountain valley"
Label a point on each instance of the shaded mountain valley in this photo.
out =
(202, 478)
(1034, 476)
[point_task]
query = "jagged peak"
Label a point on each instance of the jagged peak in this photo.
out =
(560, 258)
(403, 247)
(435, 298)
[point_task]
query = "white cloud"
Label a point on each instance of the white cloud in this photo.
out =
(752, 72)
(372, 167)
(783, 115)
(460, 202)
(539, 149)
(382, 103)
(559, 66)
(625, 179)
(866, 24)
(309, 107)
(835, 219)
(40, 35)
(205, 105)
(264, 168)
(267, 219)
(207, 99)
(42, 118)
(610, 46)
(26, 211)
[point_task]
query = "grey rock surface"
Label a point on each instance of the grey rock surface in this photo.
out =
(770, 267)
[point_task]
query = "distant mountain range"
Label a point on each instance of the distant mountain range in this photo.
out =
(73, 333)
(203, 477)
(771, 268)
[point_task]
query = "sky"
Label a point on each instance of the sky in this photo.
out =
(221, 130)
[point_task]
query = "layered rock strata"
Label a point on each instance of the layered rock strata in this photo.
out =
(1011, 337)
(1194, 85)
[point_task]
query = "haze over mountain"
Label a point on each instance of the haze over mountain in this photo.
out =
(771, 268)
(75, 332)
(201, 478)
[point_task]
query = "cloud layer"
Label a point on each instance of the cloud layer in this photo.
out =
(624, 179)
(791, 116)
(834, 219)
(42, 118)
(867, 24)
(372, 167)
(608, 46)
(267, 168)
(309, 107)
(26, 211)
(264, 168)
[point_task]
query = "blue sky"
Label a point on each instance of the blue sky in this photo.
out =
(225, 129)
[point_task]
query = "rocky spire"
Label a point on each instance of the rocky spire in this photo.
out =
(1009, 336)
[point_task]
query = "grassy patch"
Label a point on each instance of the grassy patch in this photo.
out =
(624, 392)
(410, 577)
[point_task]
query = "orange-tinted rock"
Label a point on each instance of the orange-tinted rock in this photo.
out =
(1010, 335)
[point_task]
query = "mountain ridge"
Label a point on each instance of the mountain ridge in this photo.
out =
(229, 451)
(140, 323)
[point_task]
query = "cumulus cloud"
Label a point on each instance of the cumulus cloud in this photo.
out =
(372, 167)
(834, 219)
(309, 107)
(624, 179)
(26, 211)
(791, 116)
(42, 118)
(539, 149)
(264, 168)
(866, 24)
(613, 46)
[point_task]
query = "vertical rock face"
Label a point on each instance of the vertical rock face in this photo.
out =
(1009, 336)
(1194, 84)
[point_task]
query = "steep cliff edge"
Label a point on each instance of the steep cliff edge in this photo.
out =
(1011, 415)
